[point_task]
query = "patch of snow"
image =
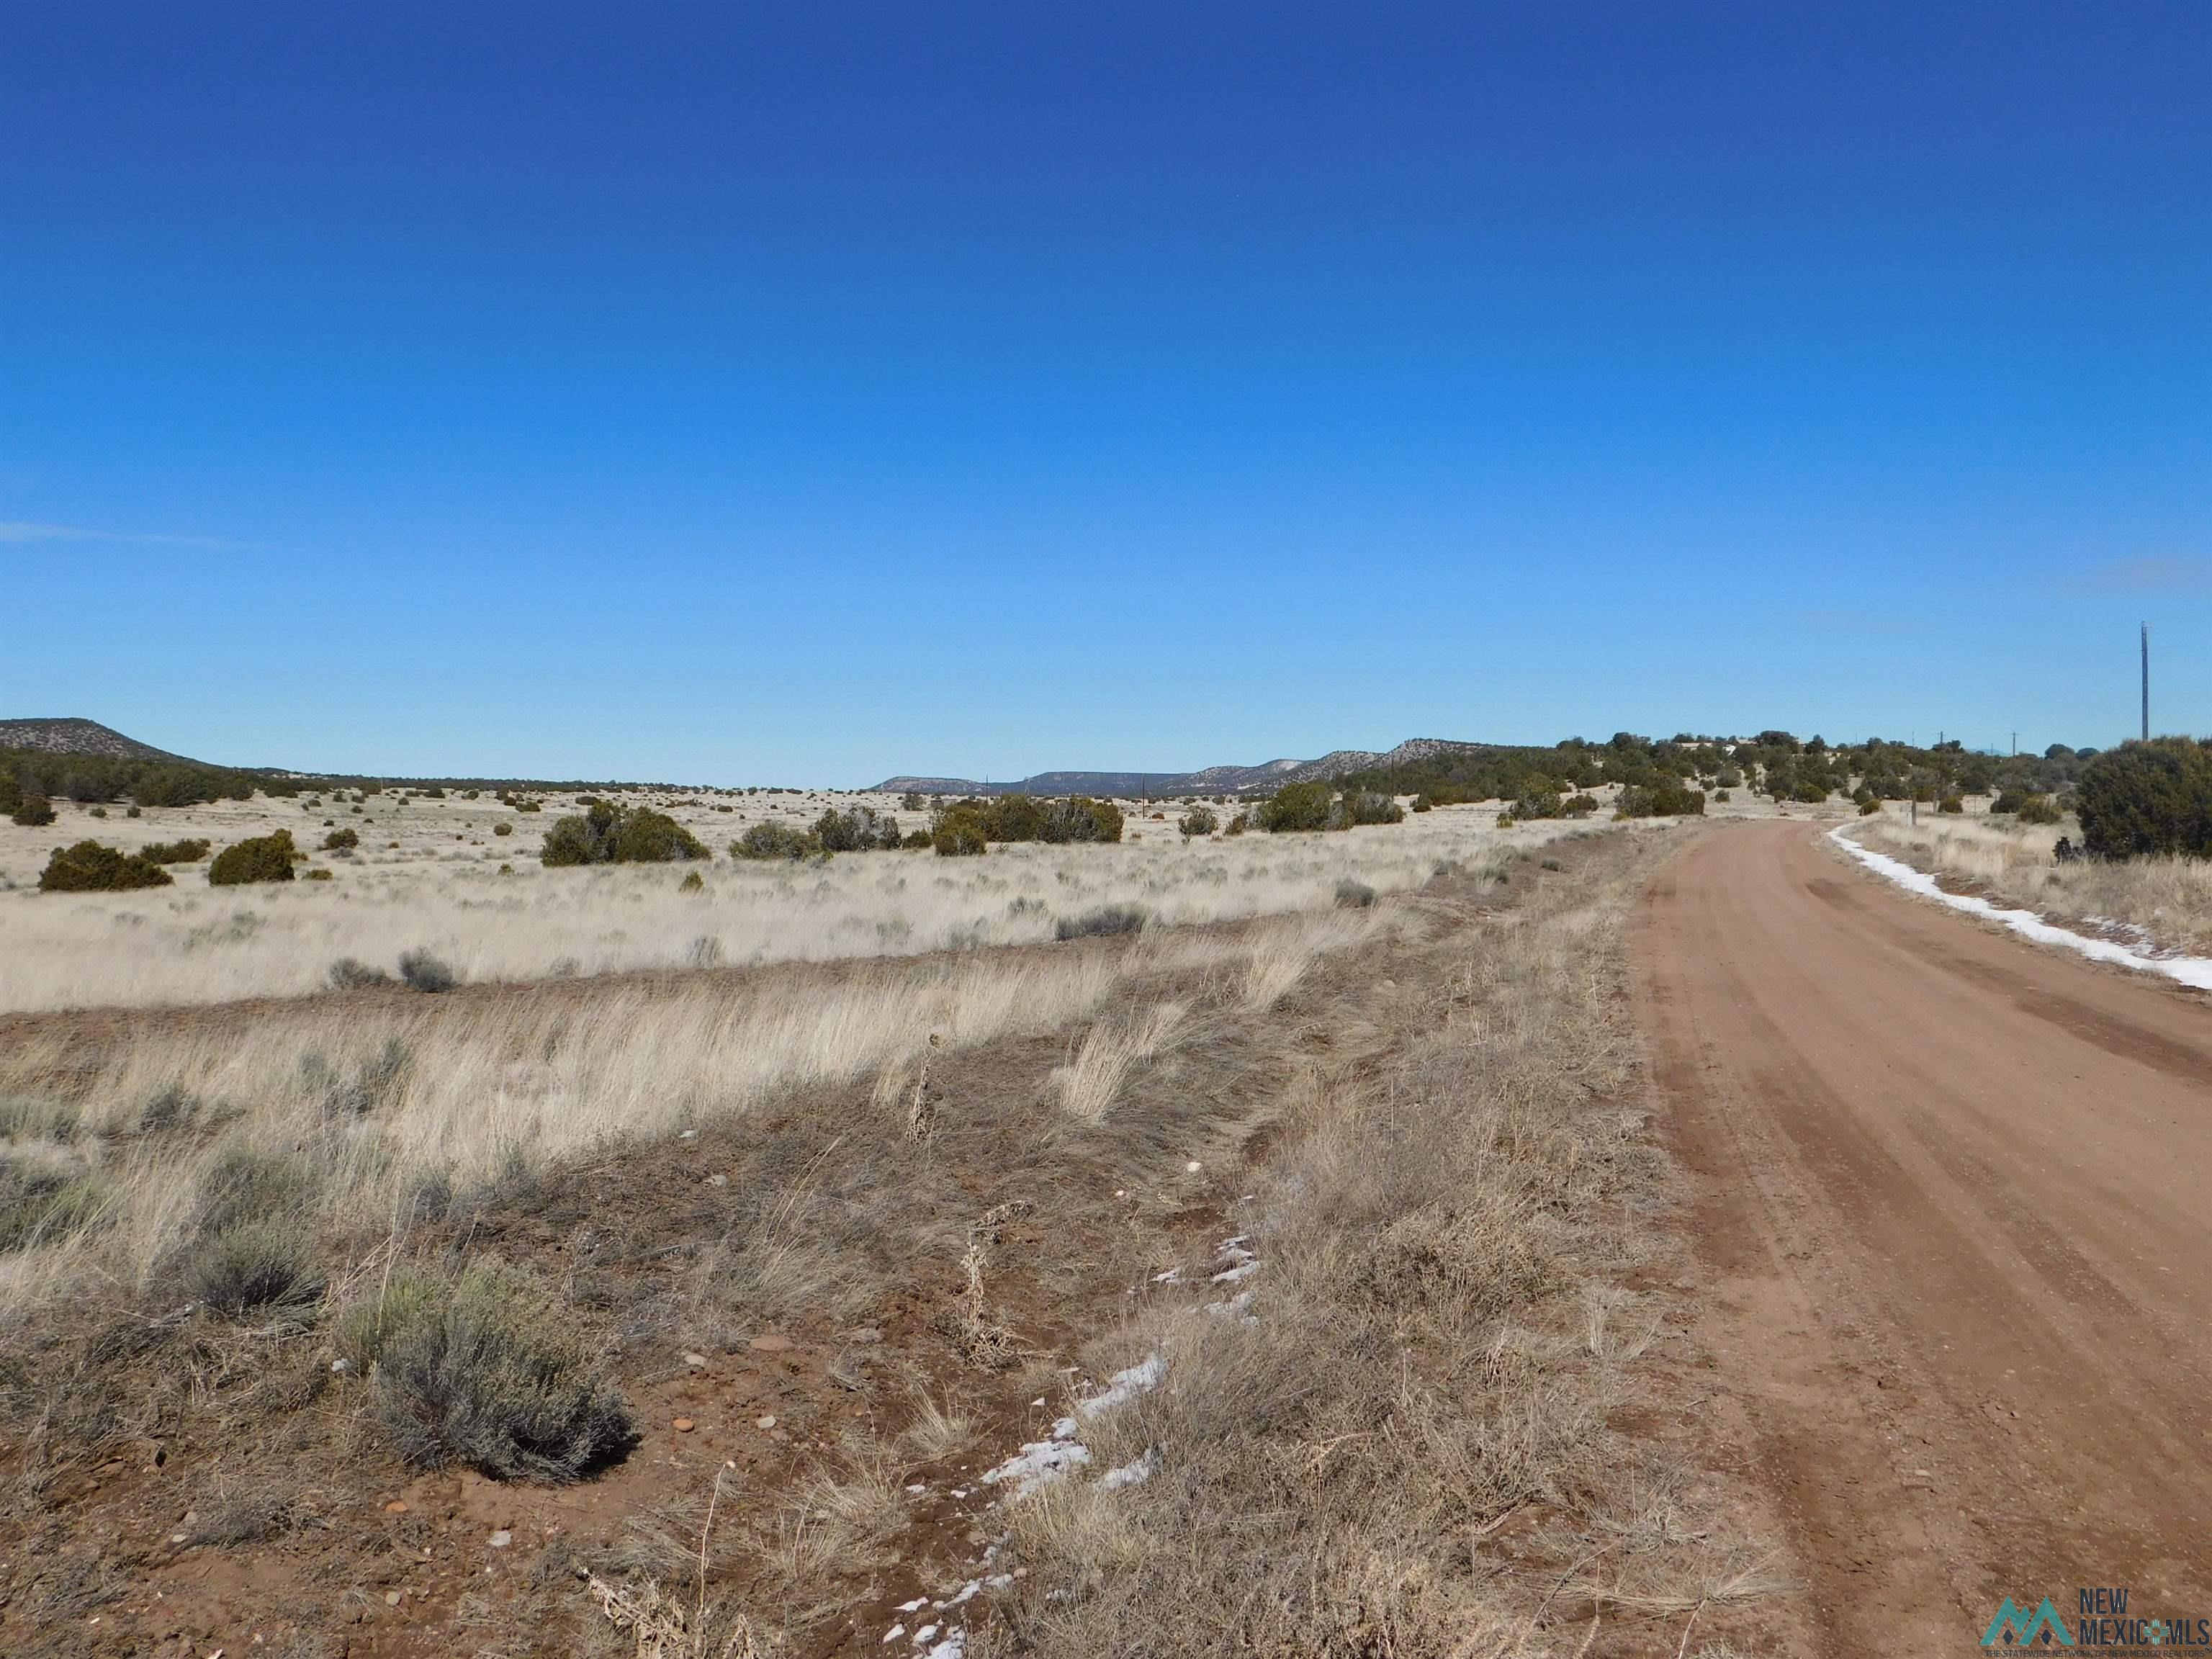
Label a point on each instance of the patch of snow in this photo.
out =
(1132, 1474)
(2194, 971)
(1041, 1461)
(1231, 1275)
(954, 1646)
(893, 1632)
(914, 1605)
(1123, 1385)
(925, 1633)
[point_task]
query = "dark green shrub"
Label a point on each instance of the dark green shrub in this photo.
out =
(694, 883)
(1422, 804)
(918, 840)
(1539, 797)
(502, 828)
(88, 867)
(1238, 825)
(2039, 808)
(911, 801)
(773, 840)
(1078, 818)
(861, 831)
(2008, 800)
(1578, 807)
(1199, 820)
(642, 836)
(489, 1370)
(1354, 894)
(2147, 797)
(256, 1267)
(34, 812)
(1951, 804)
(1106, 919)
(1665, 799)
(1297, 806)
(611, 834)
(1366, 807)
(1014, 817)
(1869, 807)
(175, 852)
(263, 858)
(960, 833)
(424, 972)
(342, 841)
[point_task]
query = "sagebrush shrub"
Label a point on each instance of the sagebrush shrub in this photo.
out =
(245, 1186)
(348, 974)
(176, 852)
(1354, 894)
(43, 1204)
(425, 972)
(489, 1370)
(256, 1267)
(262, 858)
(2039, 808)
(341, 841)
(1106, 919)
(1199, 820)
(88, 867)
(34, 812)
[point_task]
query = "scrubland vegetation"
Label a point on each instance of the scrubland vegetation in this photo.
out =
(347, 1244)
(437, 891)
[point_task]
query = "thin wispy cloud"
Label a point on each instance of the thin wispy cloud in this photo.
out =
(2151, 575)
(24, 530)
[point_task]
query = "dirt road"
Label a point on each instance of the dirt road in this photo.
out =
(1954, 1213)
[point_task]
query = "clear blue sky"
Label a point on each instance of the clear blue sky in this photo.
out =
(807, 393)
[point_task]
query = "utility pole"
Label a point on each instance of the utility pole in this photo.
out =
(2146, 682)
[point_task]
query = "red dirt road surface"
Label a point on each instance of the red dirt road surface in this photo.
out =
(1953, 1208)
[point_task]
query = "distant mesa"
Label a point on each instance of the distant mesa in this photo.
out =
(79, 737)
(1211, 780)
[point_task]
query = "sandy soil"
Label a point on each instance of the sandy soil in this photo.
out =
(1955, 1235)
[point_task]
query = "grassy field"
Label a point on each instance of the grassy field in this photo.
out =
(1343, 1160)
(2168, 899)
(440, 889)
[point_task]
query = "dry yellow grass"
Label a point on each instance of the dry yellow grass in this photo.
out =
(194, 943)
(1432, 1339)
(2170, 899)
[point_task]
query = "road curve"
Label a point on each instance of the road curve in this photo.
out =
(1952, 1206)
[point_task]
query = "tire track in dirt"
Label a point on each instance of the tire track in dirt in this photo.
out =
(1955, 1227)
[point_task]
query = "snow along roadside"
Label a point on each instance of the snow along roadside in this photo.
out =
(2195, 971)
